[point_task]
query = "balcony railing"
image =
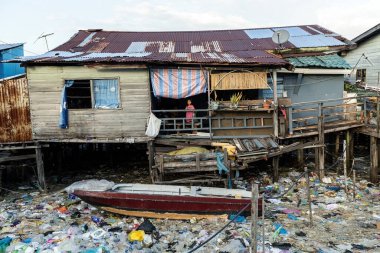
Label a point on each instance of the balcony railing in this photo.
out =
(208, 122)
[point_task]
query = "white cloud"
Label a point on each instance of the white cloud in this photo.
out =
(350, 20)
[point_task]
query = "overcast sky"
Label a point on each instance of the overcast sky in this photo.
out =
(25, 20)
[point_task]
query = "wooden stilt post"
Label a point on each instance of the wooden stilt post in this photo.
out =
(151, 159)
(300, 158)
(349, 149)
(316, 156)
(275, 100)
(374, 168)
(337, 141)
(345, 147)
(263, 220)
(275, 165)
(354, 183)
(309, 197)
(321, 140)
(254, 216)
(40, 167)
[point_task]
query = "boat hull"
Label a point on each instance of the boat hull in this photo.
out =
(165, 203)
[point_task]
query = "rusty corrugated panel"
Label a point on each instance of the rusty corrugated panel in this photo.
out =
(15, 124)
(242, 46)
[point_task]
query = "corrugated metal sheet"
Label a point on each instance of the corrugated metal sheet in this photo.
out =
(15, 124)
(324, 61)
(9, 46)
(226, 46)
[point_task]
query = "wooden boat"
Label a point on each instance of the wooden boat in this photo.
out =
(139, 198)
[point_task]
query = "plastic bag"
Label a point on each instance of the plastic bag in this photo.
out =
(91, 185)
(136, 235)
(154, 125)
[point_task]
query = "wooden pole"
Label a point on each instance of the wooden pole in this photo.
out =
(354, 183)
(254, 211)
(275, 164)
(349, 149)
(345, 165)
(263, 220)
(151, 160)
(309, 197)
(275, 100)
(300, 158)
(40, 167)
(337, 141)
(321, 140)
(373, 175)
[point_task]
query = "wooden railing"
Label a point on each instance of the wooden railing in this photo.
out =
(208, 122)
(333, 113)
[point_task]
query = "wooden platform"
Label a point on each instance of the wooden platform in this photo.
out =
(330, 127)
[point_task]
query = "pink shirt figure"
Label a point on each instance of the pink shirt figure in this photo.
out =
(189, 112)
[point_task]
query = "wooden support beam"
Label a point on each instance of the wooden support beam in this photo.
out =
(300, 158)
(151, 159)
(321, 140)
(17, 158)
(275, 100)
(40, 167)
(275, 164)
(337, 143)
(374, 156)
(349, 149)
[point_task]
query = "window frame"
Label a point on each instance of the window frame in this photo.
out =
(92, 92)
(361, 71)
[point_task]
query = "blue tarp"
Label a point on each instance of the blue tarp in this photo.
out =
(64, 113)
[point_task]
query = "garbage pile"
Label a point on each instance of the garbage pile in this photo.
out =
(61, 222)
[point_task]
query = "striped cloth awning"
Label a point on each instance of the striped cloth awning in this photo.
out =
(178, 83)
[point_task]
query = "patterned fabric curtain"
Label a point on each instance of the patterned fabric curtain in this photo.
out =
(106, 94)
(178, 83)
(64, 113)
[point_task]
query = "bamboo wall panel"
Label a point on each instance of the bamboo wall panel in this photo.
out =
(239, 81)
(15, 124)
(46, 84)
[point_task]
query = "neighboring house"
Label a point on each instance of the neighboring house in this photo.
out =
(365, 58)
(8, 52)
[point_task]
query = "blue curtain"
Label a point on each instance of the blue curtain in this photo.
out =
(64, 112)
(106, 94)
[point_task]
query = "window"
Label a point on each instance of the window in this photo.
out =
(79, 95)
(96, 93)
(361, 75)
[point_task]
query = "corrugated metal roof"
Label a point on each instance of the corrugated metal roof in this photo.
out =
(324, 61)
(226, 46)
(9, 46)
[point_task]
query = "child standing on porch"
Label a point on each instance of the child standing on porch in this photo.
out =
(189, 111)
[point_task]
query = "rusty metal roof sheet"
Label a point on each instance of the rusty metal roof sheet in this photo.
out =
(225, 46)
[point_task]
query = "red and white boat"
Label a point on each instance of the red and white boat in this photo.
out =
(169, 199)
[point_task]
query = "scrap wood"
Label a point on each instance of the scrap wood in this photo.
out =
(170, 216)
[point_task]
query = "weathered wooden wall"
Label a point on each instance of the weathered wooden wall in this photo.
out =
(15, 123)
(45, 87)
(371, 49)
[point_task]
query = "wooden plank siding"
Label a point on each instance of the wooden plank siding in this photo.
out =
(15, 125)
(45, 88)
(371, 50)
